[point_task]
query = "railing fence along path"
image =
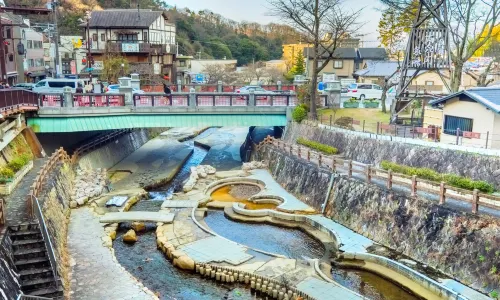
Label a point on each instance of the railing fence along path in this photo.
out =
(415, 184)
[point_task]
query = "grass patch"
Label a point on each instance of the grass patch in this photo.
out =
(317, 146)
(373, 115)
(429, 174)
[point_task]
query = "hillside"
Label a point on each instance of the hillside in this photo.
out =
(202, 33)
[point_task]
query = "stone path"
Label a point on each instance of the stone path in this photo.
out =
(17, 207)
(95, 272)
(137, 216)
(275, 189)
(216, 249)
(323, 290)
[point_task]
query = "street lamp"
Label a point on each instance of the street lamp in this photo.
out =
(123, 69)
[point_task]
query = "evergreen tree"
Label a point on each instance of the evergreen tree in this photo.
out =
(298, 68)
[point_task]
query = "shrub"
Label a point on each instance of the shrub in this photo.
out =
(6, 173)
(17, 163)
(317, 146)
(299, 114)
(344, 122)
(429, 174)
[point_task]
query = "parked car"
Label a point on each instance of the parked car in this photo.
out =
(257, 90)
(25, 86)
(56, 85)
(344, 89)
(364, 91)
(115, 89)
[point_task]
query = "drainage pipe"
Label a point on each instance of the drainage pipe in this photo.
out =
(330, 186)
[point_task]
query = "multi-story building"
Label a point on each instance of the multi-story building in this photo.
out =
(11, 25)
(34, 63)
(144, 37)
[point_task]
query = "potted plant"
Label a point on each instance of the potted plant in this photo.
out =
(352, 103)
(371, 103)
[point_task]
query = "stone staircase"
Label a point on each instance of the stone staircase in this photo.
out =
(32, 262)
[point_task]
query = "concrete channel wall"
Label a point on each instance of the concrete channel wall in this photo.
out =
(461, 245)
(373, 151)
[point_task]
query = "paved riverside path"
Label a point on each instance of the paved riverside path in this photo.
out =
(95, 272)
(17, 207)
(137, 216)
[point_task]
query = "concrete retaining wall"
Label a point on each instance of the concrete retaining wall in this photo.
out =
(373, 151)
(464, 246)
(9, 280)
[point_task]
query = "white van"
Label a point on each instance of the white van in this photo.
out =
(364, 91)
(51, 85)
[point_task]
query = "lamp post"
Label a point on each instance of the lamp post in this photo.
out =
(123, 69)
(89, 53)
(54, 5)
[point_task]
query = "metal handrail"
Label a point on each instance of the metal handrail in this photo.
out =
(28, 297)
(46, 237)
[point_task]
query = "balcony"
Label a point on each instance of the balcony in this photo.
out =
(135, 47)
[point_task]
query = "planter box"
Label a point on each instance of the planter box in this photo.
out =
(369, 104)
(351, 104)
(7, 188)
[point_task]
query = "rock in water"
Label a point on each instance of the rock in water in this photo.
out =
(138, 226)
(130, 236)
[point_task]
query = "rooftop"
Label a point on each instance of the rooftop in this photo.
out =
(378, 69)
(487, 96)
(124, 18)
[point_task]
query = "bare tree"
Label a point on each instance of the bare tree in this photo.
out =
(274, 75)
(257, 70)
(470, 23)
(218, 72)
(323, 23)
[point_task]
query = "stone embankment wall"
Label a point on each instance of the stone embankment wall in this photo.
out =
(55, 202)
(9, 280)
(464, 246)
(371, 151)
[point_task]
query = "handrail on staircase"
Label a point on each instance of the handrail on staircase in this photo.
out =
(28, 297)
(46, 238)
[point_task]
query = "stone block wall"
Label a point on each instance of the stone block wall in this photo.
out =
(462, 245)
(372, 151)
(55, 202)
(9, 280)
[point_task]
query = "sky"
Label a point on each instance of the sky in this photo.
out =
(257, 11)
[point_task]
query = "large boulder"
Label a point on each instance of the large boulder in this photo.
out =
(130, 236)
(138, 226)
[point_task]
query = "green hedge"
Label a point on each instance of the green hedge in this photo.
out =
(317, 146)
(351, 104)
(299, 113)
(371, 104)
(429, 174)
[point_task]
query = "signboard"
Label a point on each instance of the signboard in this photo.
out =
(157, 69)
(72, 66)
(471, 135)
(98, 65)
(130, 47)
(329, 77)
(200, 78)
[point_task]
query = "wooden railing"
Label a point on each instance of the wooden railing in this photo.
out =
(58, 156)
(415, 184)
(2, 211)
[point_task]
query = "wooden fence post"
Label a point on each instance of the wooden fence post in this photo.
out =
(368, 173)
(349, 171)
(308, 155)
(298, 151)
(319, 160)
(333, 163)
(475, 201)
(389, 179)
(414, 186)
(442, 193)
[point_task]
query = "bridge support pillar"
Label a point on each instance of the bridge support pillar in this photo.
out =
(280, 86)
(135, 82)
(192, 97)
(179, 85)
(126, 88)
(251, 98)
(219, 86)
(67, 97)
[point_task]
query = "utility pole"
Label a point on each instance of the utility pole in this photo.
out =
(56, 36)
(2, 52)
(90, 60)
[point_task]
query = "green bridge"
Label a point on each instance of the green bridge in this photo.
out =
(107, 118)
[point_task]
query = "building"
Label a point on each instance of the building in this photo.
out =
(475, 112)
(278, 64)
(71, 55)
(374, 71)
(198, 67)
(144, 37)
(183, 68)
(34, 63)
(12, 33)
(343, 64)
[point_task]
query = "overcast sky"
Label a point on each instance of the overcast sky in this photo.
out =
(256, 11)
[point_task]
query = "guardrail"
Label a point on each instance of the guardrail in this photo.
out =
(441, 190)
(16, 100)
(96, 143)
(98, 100)
(29, 297)
(157, 99)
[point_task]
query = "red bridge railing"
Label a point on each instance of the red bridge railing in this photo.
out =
(17, 100)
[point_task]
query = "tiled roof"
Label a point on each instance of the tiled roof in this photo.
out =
(123, 18)
(372, 53)
(488, 96)
(378, 69)
(345, 53)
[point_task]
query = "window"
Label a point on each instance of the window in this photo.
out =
(429, 83)
(377, 87)
(451, 123)
(40, 83)
(320, 63)
(39, 62)
(127, 37)
(364, 86)
(11, 57)
(145, 37)
(8, 33)
(94, 37)
(103, 37)
(61, 84)
(29, 44)
(338, 64)
(182, 63)
(31, 62)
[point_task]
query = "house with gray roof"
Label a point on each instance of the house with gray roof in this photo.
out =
(145, 37)
(472, 116)
(345, 61)
(375, 71)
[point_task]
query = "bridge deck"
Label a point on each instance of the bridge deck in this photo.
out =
(137, 216)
